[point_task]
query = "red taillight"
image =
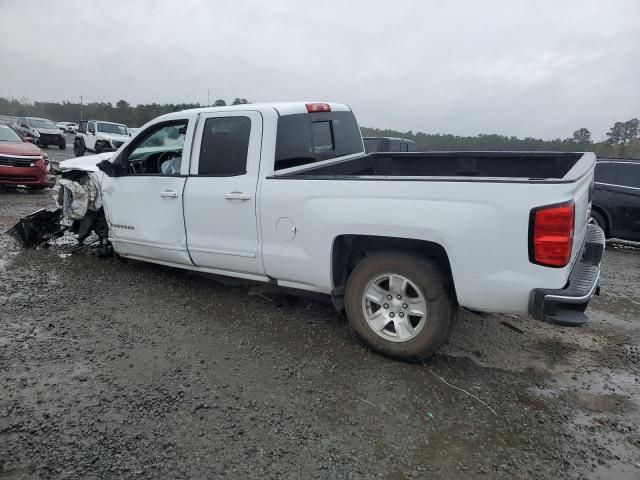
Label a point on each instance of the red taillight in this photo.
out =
(318, 107)
(551, 235)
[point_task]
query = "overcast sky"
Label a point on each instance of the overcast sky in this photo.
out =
(526, 68)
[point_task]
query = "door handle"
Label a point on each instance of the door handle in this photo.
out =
(237, 196)
(169, 194)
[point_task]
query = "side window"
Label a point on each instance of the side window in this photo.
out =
(23, 123)
(628, 175)
(157, 151)
(605, 172)
(91, 126)
(225, 144)
(394, 146)
(404, 147)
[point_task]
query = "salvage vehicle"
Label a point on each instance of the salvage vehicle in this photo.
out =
(284, 193)
(44, 132)
(616, 201)
(21, 162)
(98, 137)
(388, 144)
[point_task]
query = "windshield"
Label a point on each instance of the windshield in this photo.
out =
(112, 128)
(40, 123)
(8, 134)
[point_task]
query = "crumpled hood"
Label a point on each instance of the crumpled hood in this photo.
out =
(19, 148)
(85, 164)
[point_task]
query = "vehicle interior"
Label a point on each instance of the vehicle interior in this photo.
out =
(530, 165)
(159, 152)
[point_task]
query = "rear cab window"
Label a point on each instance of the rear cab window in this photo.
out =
(307, 138)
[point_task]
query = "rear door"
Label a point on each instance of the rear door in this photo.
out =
(618, 191)
(626, 196)
(220, 194)
(90, 137)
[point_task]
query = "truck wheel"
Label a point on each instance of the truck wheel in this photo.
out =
(62, 144)
(98, 147)
(78, 148)
(399, 305)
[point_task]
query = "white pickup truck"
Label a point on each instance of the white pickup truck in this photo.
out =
(284, 193)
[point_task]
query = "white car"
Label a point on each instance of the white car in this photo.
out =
(62, 127)
(283, 193)
(97, 136)
(71, 127)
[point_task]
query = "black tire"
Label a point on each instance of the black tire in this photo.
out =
(430, 282)
(601, 222)
(62, 144)
(98, 147)
(78, 147)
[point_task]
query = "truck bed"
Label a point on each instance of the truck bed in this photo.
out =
(481, 165)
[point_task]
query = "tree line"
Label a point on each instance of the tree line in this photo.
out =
(623, 138)
(121, 112)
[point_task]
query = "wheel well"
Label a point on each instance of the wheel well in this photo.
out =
(349, 250)
(605, 216)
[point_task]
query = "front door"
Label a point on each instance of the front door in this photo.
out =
(90, 137)
(220, 195)
(144, 206)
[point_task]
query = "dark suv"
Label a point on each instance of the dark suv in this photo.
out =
(388, 144)
(43, 132)
(616, 200)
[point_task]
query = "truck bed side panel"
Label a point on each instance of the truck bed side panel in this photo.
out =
(483, 227)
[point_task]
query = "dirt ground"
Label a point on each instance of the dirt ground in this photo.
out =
(131, 370)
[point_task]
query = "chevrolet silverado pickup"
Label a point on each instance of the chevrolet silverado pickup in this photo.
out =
(284, 193)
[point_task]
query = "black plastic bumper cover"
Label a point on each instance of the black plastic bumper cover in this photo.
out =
(566, 306)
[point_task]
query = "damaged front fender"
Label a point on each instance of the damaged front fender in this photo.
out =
(81, 213)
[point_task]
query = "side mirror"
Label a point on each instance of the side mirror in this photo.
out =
(107, 167)
(92, 131)
(28, 138)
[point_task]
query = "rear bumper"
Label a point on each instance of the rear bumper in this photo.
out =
(566, 306)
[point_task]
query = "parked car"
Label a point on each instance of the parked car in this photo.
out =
(284, 193)
(21, 162)
(132, 131)
(62, 127)
(71, 127)
(97, 136)
(44, 132)
(616, 200)
(388, 144)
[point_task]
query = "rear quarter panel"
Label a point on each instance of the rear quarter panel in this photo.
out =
(482, 225)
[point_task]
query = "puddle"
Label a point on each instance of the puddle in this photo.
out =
(601, 381)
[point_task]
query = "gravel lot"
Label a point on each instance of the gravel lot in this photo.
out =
(132, 370)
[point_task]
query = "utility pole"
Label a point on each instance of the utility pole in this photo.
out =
(80, 107)
(208, 97)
